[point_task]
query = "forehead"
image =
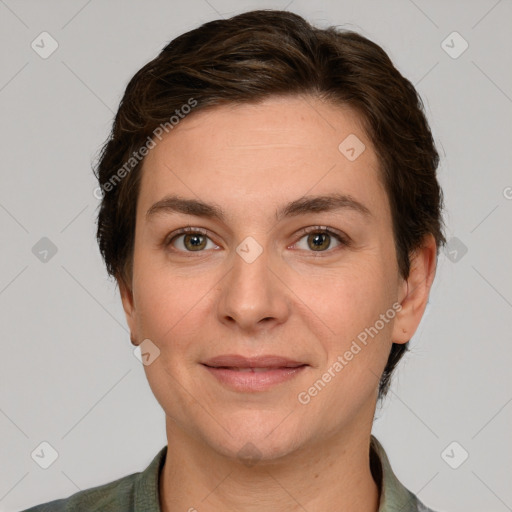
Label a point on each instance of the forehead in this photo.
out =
(264, 154)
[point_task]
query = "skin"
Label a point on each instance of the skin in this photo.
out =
(291, 301)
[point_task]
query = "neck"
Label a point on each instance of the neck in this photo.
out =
(197, 478)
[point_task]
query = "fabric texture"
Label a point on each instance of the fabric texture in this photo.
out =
(139, 492)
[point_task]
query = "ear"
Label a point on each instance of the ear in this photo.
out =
(415, 290)
(129, 308)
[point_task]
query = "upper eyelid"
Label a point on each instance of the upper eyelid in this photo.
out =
(186, 230)
(313, 229)
(342, 238)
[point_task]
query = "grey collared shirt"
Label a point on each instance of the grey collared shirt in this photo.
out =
(138, 492)
(394, 497)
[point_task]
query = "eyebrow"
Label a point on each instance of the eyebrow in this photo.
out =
(304, 205)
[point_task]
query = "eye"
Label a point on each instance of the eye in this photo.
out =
(320, 238)
(190, 240)
(316, 239)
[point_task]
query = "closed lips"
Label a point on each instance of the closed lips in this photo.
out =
(259, 363)
(253, 374)
(251, 369)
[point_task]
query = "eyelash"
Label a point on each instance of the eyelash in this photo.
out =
(189, 230)
(343, 240)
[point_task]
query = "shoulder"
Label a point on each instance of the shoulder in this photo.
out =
(116, 495)
(126, 493)
(416, 505)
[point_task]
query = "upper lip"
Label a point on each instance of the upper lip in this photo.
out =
(238, 361)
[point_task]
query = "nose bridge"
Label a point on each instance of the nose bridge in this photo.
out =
(252, 292)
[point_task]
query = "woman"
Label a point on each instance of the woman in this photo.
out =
(271, 213)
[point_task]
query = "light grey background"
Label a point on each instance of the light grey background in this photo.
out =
(68, 375)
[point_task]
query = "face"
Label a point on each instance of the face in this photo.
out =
(292, 259)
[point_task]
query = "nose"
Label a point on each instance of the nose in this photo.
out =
(252, 296)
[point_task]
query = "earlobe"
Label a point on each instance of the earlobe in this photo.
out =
(417, 289)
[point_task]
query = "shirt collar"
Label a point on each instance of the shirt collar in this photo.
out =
(146, 492)
(393, 495)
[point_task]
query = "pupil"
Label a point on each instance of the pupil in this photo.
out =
(319, 241)
(194, 241)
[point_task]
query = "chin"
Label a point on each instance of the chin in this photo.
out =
(265, 437)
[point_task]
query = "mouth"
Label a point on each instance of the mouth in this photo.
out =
(258, 362)
(256, 374)
(253, 370)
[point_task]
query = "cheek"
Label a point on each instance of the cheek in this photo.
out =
(172, 308)
(156, 304)
(347, 298)
(347, 309)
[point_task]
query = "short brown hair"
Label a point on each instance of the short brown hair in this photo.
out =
(264, 53)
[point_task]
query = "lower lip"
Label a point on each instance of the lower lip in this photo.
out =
(254, 381)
